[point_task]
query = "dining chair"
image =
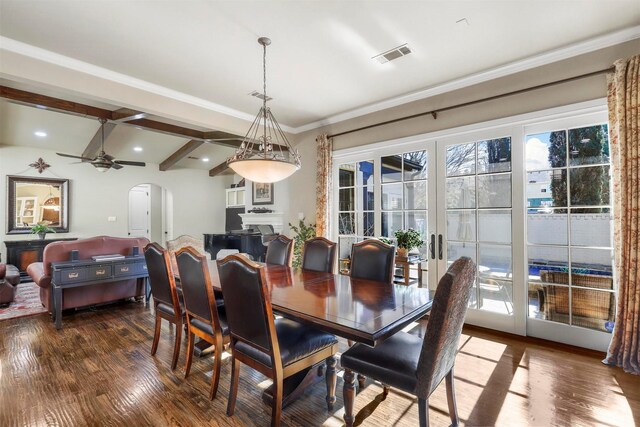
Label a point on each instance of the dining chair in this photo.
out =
(165, 295)
(410, 363)
(373, 260)
(319, 254)
(205, 318)
(277, 348)
(280, 251)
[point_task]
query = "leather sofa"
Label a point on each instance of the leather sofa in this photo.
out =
(40, 272)
(9, 279)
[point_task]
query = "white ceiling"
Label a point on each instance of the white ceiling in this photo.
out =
(70, 135)
(319, 64)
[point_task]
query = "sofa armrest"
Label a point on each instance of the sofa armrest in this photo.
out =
(36, 271)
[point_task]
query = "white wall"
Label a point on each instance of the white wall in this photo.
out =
(198, 199)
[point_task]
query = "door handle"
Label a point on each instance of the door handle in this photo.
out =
(432, 246)
(440, 246)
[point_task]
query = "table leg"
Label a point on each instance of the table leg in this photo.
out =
(349, 394)
(420, 274)
(203, 348)
(57, 298)
(147, 290)
(406, 274)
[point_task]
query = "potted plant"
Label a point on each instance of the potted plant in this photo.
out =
(407, 240)
(41, 229)
(303, 233)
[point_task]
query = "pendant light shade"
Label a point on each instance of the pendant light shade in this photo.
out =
(265, 154)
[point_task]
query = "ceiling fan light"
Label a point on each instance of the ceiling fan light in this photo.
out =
(101, 168)
(264, 170)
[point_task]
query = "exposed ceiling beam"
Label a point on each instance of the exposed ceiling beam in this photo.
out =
(180, 154)
(94, 145)
(126, 114)
(221, 168)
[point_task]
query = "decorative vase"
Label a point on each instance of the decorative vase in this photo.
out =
(403, 252)
(42, 235)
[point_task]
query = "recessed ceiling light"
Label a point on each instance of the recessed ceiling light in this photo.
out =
(205, 159)
(138, 149)
(40, 133)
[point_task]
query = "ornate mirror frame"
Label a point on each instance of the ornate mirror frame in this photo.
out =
(13, 181)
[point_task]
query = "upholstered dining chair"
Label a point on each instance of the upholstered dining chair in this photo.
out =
(319, 254)
(410, 363)
(165, 296)
(205, 318)
(277, 348)
(183, 241)
(280, 251)
(373, 260)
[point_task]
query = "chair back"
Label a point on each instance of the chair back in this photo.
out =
(319, 254)
(163, 285)
(183, 241)
(248, 307)
(446, 319)
(280, 251)
(197, 290)
(373, 260)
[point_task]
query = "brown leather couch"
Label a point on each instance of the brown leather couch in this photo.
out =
(9, 279)
(40, 272)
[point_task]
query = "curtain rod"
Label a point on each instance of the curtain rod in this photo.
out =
(434, 113)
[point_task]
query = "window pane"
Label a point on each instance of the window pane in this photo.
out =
(494, 191)
(589, 145)
(345, 244)
(415, 195)
(495, 295)
(461, 226)
(457, 250)
(417, 221)
(590, 186)
(391, 168)
(461, 159)
(392, 197)
(544, 260)
(391, 221)
(591, 227)
(368, 228)
(591, 261)
(494, 155)
(546, 150)
(347, 176)
(347, 199)
(415, 165)
(547, 188)
(495, 261)
(592, 309)
(547, 226)
(494, 226)
(346, 223)
(461, 192)
(549, 303)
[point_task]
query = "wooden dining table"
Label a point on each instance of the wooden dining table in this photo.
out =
(363, 311)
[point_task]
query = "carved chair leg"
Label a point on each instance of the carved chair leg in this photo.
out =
(451, 399)
(349, 396)
(331, 378)
(190, 344)
(217, 361)
(423, 412)
(276, 408)
(156, 336)
(233, 388)
(321, 370)
(361, 381)
(385, 390)
(176, 345)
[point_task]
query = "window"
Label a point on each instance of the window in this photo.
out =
(355, 204)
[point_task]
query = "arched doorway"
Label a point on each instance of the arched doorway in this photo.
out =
(150, 213)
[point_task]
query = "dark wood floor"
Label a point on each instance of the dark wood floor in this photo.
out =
(98, 371)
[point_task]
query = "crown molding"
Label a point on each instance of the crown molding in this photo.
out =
(40, 54)
(546, 58)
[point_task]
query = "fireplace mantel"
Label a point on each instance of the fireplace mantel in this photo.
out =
(274, 219)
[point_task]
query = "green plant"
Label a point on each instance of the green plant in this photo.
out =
(303, 233)
(408, 239)
(41, 228)
(386, 240)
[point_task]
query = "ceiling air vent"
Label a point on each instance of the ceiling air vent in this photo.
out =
(260, 95)
(392, 54)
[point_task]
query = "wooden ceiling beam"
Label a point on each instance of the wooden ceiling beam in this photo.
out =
(126, 114)
(96, 142)
(221, 168)
(180, 154)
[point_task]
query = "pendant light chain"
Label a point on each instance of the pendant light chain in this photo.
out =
(264, 100)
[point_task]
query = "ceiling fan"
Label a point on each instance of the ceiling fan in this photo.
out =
(103, 161)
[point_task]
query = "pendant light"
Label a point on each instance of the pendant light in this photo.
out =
(265, 154)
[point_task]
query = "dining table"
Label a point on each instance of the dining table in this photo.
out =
(358, 310)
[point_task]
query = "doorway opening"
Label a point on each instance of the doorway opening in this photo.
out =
(150, 213)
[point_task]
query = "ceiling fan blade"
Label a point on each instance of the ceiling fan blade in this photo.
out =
(116, 166)
(86, 159)
(108, 157)
(129, 163)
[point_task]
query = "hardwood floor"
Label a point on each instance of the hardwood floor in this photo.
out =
(97, 370)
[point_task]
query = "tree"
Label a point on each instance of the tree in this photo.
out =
(558, 158)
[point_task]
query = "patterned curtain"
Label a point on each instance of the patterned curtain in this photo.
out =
(624, 121)
(323, 185)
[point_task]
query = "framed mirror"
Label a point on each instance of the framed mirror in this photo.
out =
(33, 200)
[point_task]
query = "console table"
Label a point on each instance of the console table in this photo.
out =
(71, 274)
(21, 253)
